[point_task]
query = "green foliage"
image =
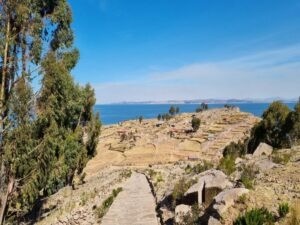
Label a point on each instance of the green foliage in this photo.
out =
(102, 210)
(172, 110)
(281, 158)
(166, 116)
(235, 150)
(195, 123)
(283, 209)
(180, 188)
(159, 117)
(272, 129)
(198, 168)
(50, 136)
(140, 119)
(256, 216)
(177, 110)
(202, 107)
(248, 176)
(227, 164)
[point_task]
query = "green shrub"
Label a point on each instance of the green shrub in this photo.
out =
(180, 188)
(248, 176)
(234, 149)
(283, 209)
(199, 168)
(196, 123)
(227, 164)
(102, 210)
(283, 158)
(259, 216)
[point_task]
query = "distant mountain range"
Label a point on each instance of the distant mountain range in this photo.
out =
(211, 101)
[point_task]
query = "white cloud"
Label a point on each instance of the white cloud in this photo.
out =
(265, 74)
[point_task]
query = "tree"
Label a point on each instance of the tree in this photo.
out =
(48, 136)
(172, 110)
(196, 123)
(272, 128)
(159, 117)
(204, 106)
(140, 119)
(292, 126)
(177, 110)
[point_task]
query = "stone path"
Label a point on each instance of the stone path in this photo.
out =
(135, 205)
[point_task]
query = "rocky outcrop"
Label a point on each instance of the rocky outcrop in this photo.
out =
(210, 183)
(227, 198)
(263, 149)
(181, 211)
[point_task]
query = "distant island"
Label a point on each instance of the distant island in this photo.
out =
(211, 101)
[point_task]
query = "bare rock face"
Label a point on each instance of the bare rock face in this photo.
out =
(227, 198)
(181, 211)
(263, 149)
(210, 183)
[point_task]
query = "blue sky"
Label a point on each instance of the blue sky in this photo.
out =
(139, 50)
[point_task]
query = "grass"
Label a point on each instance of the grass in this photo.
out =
(180, 188)
(102, 210)
(257, 216)
(248, 176)
(294, 218)
(283, 209)
(198, 168)
(281, 158)
(227, 164)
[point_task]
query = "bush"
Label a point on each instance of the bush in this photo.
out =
(141, 119)
(198, 168)
(248, 176)
(180, 188)
(227, 164)
(102, 210)
(283, 209)
(259, 216)
(283, 158)
(235, 149)
(195, 123)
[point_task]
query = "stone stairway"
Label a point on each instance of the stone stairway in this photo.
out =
(135, 205)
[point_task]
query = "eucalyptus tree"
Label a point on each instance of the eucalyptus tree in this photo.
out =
(47, 133)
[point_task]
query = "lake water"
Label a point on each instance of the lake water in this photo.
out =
(114, 113)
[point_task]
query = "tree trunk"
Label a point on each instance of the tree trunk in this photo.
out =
(3, 194)
(10, 188)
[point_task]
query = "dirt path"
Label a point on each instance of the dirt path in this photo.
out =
(135, 205)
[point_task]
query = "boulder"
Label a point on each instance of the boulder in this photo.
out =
(210, 182)
(213, 221)
(265, 164)
(181, 211)
(263, 149)
(227, 198)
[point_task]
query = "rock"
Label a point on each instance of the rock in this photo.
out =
(263, 149)
(180, 211)
(265, 164)
(213, 221)
(227, 198)
(210, 182)
(238, 160)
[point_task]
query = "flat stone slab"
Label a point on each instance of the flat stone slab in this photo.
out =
(135, 205)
